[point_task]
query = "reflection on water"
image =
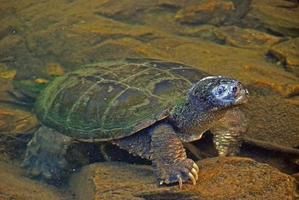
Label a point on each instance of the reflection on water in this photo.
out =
(255, 42)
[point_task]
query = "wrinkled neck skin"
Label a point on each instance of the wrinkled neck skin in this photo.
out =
(193, 118)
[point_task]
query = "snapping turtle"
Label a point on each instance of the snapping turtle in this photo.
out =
(145, 106)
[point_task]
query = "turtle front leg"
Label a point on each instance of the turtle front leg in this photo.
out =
(45, 155)
(169, 157)
(228, 132)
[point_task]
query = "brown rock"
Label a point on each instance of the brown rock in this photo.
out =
(272, 118)
(5, 86)
(232, 36)
(286, 90)
(245, 38)
(55, 69)
(279, 16)
(137, 12)
(15, 121)
(78, 33)
(219, 178)
(294, 101)
(14, 185)
(41, 81)
(208, 11)
(6, 73)
(243, 178)
(288, 54)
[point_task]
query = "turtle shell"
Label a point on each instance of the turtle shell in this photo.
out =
(113, 100)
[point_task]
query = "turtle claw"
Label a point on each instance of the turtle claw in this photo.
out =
(194, 173)
(196, 167)
(192, 178)
(161, 182)
(180, 181)
(180, 172)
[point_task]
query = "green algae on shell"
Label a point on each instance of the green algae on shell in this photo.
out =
(110, 101)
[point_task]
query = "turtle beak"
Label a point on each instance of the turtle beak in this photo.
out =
(242, 96)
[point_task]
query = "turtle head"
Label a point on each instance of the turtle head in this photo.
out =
(207, 101)
(217, 92)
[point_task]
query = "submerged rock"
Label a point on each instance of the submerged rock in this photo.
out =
(55, 69)
(15, 126)
(76, 33)
(287, 53)
(246, 38)
(276, 16)
(5, 85)
(272, 118)
(13, 186)
(6, 73)
(16, 122)
(219, 178)
(207, 11)
(233, 36)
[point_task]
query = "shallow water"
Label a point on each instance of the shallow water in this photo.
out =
(253, 41)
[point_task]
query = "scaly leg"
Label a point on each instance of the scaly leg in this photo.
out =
(228, 132)
(138, 144)
(169, 157)
(165, 149)
(45, 154)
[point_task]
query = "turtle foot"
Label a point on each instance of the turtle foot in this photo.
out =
(45, 155)
(179, 172)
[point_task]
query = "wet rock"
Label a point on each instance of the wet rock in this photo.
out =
(287, 53)
(26, 91)
(41, 81)
(55, 69)
(233, 36)
(15, 122)
(219, 178)
(286, 90)
(294, 101)
(246, 38)
(14, 185)
(76, 33)
(5, 86)
(6, 73)
(284, 83)
(123, 11)
(243, 178)
(276, 16)
(211, 12)
(15, 128)
(137, 12)
(272, 118)
(90, 38)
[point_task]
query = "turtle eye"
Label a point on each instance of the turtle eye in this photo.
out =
(221, 89)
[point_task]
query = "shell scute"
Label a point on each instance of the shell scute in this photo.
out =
(104, 102)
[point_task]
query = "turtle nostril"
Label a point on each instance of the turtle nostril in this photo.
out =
(235, 89)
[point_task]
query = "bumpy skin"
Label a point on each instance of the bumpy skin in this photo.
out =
(228, 132)
(169, 157)
(163, 145)
(46, 154)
